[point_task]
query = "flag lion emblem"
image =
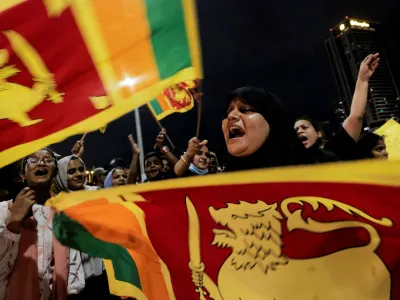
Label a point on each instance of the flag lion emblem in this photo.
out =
(257, 269)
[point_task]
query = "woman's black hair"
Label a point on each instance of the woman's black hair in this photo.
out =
(316, 124)
(367, 142)
(282, 147)
(25, 160)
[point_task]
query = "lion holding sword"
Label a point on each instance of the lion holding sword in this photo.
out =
(257, 269)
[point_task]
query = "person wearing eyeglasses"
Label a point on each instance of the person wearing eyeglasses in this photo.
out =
(33, 264)
(195, 161)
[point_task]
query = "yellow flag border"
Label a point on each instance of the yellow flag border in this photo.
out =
(384, 173)
(92, 123)
(192, 29)
(7, 4)
(121, 288)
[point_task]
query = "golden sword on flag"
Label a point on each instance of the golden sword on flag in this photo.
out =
(195, 264)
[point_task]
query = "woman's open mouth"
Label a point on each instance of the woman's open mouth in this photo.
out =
(42, 172)
(235, 132)
(303, 139)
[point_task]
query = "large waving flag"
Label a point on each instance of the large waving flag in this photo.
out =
(72, 66)
(273, 234)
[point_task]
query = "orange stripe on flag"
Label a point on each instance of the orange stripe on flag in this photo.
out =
(129, 234)
(161, 101)
(126, 32)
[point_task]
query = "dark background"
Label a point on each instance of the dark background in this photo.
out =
(276, 45)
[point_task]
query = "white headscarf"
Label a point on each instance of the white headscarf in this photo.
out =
(61, 180)
(92, 266)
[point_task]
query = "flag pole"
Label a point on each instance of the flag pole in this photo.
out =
(83, 137)
(140, 144)
(199, 108)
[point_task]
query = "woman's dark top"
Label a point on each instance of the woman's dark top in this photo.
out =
(322, 155)
(343, 146)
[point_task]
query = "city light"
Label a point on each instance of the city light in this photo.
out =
(359, 24)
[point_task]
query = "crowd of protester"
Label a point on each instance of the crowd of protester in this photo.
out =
(256, 134)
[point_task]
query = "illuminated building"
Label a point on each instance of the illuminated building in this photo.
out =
(350, 42)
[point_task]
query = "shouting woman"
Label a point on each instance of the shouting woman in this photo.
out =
(256, 134)
(33, 264)
(116, 177)
(344, 142)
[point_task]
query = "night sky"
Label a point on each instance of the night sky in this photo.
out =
(276, 45)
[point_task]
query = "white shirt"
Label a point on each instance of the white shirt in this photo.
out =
(9, 249)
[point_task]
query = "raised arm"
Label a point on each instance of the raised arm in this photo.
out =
(353, 123)
(132, 174)
(160, 144)
(78, 149)
(194, 147)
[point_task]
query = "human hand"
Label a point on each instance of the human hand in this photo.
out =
(160, 140)
(368, 67)
(22, 205)
(135, 147)
(194, 147)
(78, 148)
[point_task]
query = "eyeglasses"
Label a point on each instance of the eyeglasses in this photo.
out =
(33, 161)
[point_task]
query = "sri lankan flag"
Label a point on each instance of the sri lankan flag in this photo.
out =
(72, 66)
(176, 98)
(267, 234)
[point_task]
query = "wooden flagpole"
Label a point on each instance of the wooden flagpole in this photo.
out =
(161, 128)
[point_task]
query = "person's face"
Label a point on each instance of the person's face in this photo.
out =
(166, 166)
(101, 179)
(119, 177)
(213, 164)
(202, 160)
(245, 130)
(153, 167)
(40, 169)
(306, 133)
(76, 175)
(379, 151)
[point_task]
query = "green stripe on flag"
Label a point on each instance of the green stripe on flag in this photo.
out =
(72, 234)
(169, 37)
(156, 107)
